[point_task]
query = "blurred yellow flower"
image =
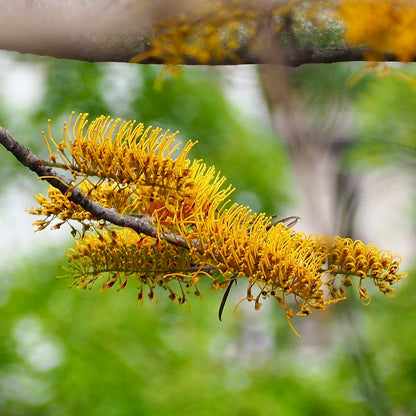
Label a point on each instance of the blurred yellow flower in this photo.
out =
(386, 27)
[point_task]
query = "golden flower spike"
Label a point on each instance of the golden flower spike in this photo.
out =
(192, 230)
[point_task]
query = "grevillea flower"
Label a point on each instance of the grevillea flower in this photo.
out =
(386, 26)
(143, 172)
(120, 254)
(127, 158)
(58, 206)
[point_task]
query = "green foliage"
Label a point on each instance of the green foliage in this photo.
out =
(386, 121)
(75, 352)
(324, 85)
(69, 84)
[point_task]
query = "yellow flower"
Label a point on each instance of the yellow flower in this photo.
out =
(350, 257)
(132, 170)
(136, 168)
(58, 206)
(386, 26)
(281, 262)
(117, 255)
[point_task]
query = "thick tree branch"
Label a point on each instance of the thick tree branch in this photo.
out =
(27, 158)
(312, 55)
(102, 30)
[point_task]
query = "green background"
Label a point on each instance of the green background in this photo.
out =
(70, 352)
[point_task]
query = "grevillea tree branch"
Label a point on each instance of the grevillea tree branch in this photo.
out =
(175, 223)
(202, 32)
(141, 225)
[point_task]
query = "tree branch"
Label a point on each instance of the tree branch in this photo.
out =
(312, 55)
(102, 30)
(141, 225)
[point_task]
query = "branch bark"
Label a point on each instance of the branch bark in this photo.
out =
(103, 30)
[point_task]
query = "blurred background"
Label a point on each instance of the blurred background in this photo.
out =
(334, 144)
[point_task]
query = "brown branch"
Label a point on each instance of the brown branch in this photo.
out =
(312, 55)
(141, 225)
(117, 31)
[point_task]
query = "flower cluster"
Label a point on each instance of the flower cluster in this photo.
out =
(354, 258)
(386, 26)
(280, 262)
(58, 206)
(137, 173)
(133, 171)
(120, 254)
